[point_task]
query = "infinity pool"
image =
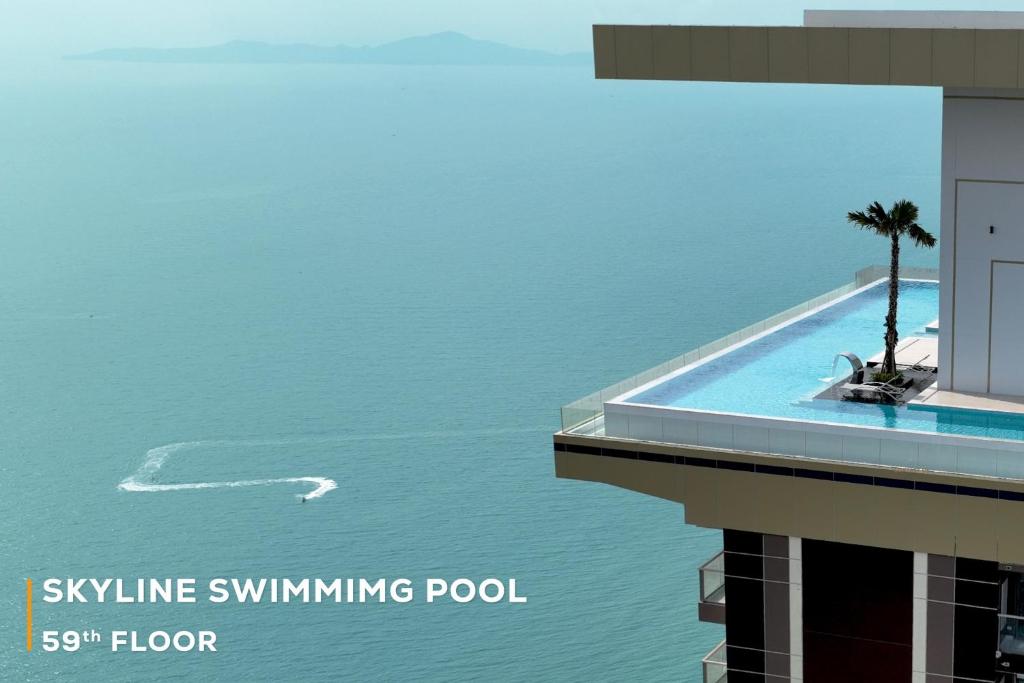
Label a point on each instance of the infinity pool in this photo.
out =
(778, 374)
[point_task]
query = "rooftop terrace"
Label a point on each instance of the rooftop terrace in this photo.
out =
(759, 390)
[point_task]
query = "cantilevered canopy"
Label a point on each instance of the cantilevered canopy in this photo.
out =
(948, 49)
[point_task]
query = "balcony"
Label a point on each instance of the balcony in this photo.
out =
(712, 590)
(714, 665)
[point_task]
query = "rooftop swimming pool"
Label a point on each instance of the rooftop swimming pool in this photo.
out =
(778, 374)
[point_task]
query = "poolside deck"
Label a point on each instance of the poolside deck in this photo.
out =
(920, 351)
(933, 397)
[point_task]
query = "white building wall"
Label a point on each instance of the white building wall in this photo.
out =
(982, 236)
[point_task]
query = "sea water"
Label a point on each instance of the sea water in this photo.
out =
(390, 278)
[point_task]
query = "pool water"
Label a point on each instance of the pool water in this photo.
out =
(779, 374)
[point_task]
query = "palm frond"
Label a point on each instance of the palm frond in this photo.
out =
(860, 218)
(921, 237)
(900, 220)
(903, 213)
(869, 219)
(876, 210)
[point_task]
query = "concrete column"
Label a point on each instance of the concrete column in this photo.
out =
(796, 610)
(919, 656)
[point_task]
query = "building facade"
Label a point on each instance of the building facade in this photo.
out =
(854, 549)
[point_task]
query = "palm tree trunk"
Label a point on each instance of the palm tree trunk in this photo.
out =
(891, 336)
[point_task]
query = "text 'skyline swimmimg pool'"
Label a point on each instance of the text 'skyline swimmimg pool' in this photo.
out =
(778, 374)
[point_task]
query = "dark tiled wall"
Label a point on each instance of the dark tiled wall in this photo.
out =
(757, 612)
(858, 612)
(963, 604)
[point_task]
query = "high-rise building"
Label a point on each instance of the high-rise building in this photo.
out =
(872, 530)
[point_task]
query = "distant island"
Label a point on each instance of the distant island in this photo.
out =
(435, 49)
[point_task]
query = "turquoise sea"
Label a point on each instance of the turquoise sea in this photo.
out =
(391, 277)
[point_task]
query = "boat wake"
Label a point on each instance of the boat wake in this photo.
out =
(145, 478)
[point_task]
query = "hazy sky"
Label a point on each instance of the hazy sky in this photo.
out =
(54, 27)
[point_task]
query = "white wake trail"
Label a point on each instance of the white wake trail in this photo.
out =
(143, 480)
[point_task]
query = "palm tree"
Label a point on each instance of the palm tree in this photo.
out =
(899, 221)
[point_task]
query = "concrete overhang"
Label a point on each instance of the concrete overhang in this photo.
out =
(902, 509)
(943, 49)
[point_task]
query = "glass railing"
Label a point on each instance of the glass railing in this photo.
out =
(584, 415)
(712, 579)
(715, 665)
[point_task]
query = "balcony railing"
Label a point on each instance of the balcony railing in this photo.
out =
(711, 607)
(585, 415)
(715, 666)
(712, 580)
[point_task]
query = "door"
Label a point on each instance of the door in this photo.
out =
(1006, 330)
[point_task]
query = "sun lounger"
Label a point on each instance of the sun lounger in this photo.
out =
(882, 392)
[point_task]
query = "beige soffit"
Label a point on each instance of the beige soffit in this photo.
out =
(945, 57)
